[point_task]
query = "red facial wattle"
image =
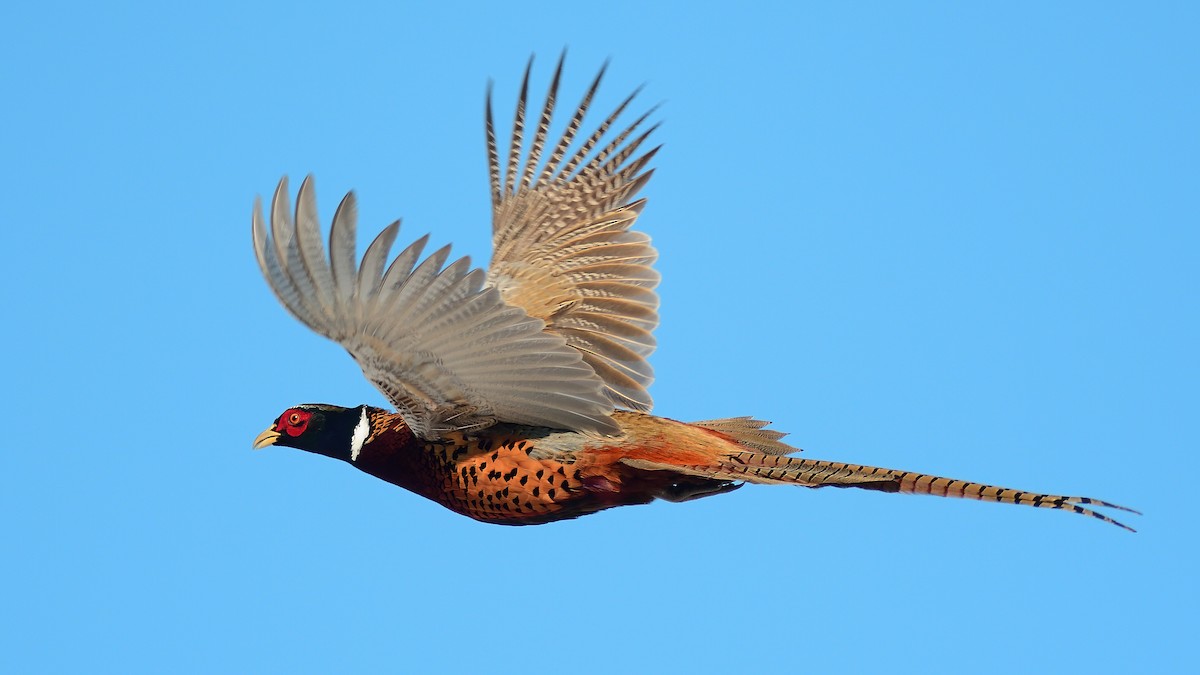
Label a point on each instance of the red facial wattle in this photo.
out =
(293, 422)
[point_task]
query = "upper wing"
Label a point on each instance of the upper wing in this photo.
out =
(562, 246)
(449, 353)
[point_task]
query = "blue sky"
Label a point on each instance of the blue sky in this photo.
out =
(943, 238)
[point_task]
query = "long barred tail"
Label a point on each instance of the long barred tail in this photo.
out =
(756, 467)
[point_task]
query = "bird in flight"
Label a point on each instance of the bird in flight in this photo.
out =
(520, 393)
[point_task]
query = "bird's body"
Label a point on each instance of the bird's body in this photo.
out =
(522, 475)
(509, 386)
(519, 475)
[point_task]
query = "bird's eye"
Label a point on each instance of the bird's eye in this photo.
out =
(293, 422)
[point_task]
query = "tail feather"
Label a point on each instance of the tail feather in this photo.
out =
(756, 467)
(749, 432)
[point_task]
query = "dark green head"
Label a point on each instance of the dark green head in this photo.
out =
(328, 430)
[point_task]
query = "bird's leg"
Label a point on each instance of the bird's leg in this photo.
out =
(681, 491)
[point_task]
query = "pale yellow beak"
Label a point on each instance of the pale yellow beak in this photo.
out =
(266, 438)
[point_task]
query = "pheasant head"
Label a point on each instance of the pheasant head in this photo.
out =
(323, 429)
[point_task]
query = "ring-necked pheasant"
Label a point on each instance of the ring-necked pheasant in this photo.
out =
(507, 384)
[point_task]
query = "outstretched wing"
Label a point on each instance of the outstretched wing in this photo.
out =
(562, 246)
(448, 352)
